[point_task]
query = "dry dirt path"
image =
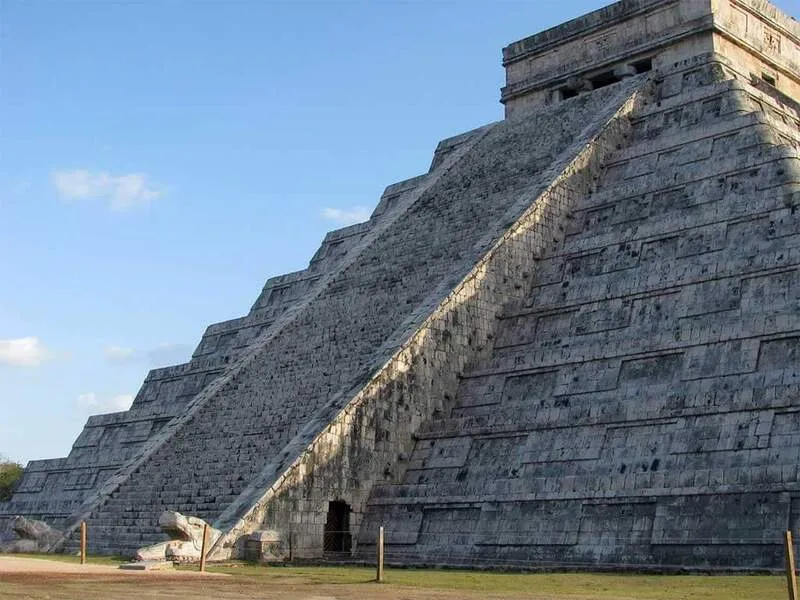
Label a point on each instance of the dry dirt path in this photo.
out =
(60, 586)
(39, 579)
(18, 564)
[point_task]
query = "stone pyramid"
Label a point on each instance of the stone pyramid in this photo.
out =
(574, 341)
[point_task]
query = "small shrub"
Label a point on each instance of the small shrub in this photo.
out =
(10, 474)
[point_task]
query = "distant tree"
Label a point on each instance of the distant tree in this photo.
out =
(10, 474)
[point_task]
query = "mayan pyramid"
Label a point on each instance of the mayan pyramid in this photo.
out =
(575, 340)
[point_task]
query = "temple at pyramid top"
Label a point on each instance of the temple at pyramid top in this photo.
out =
(633, 36)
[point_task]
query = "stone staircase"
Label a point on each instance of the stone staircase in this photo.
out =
(338, 339)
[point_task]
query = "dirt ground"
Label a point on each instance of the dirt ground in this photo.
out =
(38, 579)
(152, 586)
(42, 579)
(20, 564)
(73, 587)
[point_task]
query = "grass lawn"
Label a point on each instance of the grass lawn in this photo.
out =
(556, 585)
(357, 583)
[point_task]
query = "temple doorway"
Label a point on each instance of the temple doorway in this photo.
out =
(337, 541)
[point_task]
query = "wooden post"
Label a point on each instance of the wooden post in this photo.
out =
(203, 550)
(791, 578)
(83, 542)
(379, 557)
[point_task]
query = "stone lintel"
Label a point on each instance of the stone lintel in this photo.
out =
(582, 26)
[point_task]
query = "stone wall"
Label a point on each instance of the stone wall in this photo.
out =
(636, 35)
(639, 405)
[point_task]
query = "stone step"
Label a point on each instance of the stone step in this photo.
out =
(697, 140)
(727, 89)
(665, 277)
(680, 176)
(631, 486)
(531, 465)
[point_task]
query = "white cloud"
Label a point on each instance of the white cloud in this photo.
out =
(122, 192)
(119, 353)
(90, 402)
(348, 216)
(23, 352)
(165, 355)
(121, 402)
(87, 400)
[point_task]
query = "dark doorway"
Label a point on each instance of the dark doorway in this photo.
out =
(337, 540)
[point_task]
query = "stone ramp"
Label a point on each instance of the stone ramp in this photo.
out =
(338, 339)
(639, 404)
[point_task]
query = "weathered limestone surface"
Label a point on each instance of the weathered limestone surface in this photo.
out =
(573, 341)
(451, 330)
(640, 404)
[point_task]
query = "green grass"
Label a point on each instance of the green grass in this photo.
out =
(74, 558)
(560, 585)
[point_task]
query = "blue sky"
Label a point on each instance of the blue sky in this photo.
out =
(160, 159)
